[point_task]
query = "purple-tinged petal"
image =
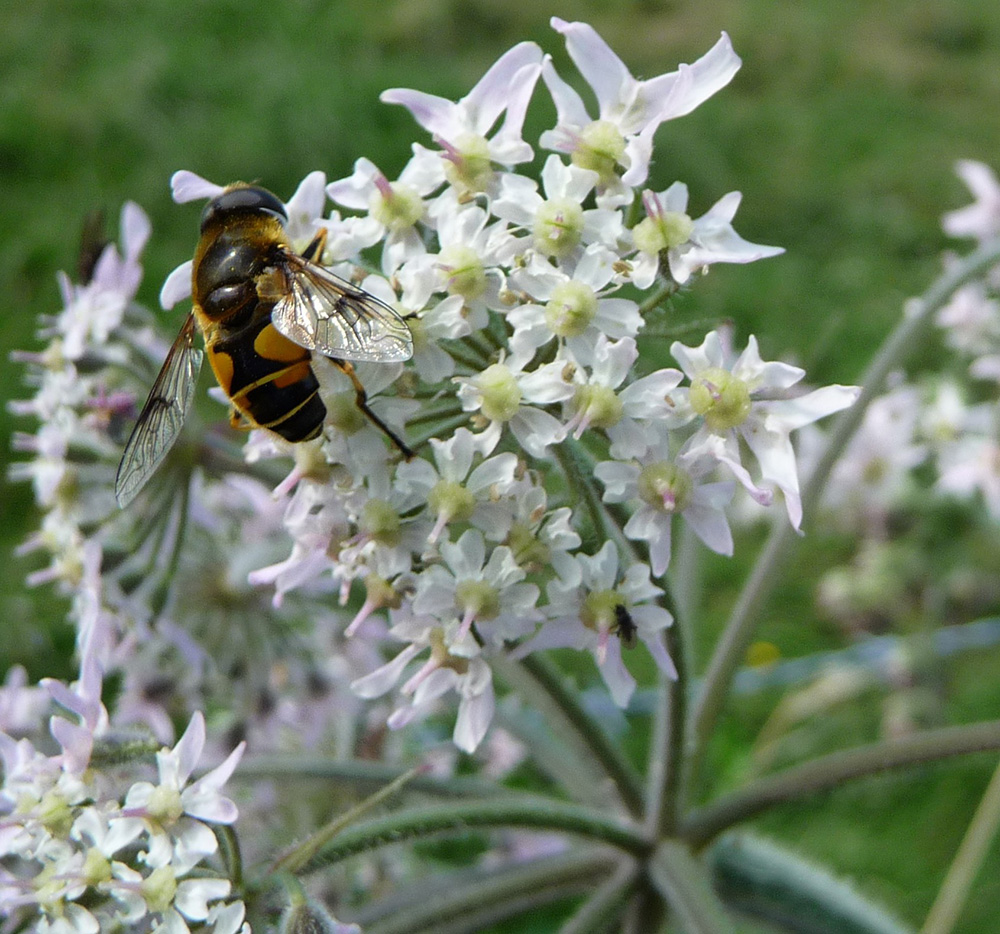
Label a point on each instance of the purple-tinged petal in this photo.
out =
(435, 114)
(186, 186)
(682, 91)
(503, 83)
(177, 285)
(604, 71)
(570, 110)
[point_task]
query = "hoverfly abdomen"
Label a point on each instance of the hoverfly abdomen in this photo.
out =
(268, 378)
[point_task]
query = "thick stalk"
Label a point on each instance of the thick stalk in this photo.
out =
(686, 886)
(594, 915)
(736, 638)
(470, 901)
(829, 771)
(459, 816)
(968, 861)
(666, 750)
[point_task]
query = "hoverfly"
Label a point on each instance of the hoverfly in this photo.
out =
(262, 309)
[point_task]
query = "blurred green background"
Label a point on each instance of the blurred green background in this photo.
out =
(841, 130)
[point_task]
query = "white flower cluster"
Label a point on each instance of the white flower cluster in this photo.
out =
(525, 302)
(935, 420)
(82, 854)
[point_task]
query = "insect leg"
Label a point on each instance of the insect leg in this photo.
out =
(361, 400)
(314, 252)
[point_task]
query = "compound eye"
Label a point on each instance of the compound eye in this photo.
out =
(242, 199)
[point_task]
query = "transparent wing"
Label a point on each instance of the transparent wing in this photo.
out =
(322, 312)
(162, 416)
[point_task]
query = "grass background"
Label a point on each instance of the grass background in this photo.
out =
(841, 129)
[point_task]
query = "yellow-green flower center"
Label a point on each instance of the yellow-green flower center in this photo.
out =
(159, 889)
(558, 227)
(601, 149)
(662, 231)
(380, 520)
(468, 165)
(598, 610)
(529, 552)
(464, 271)
(477, 597)
(402, 207)
(451, 499)
(571, 308)
(602, 407)
(379, 592)
(164, 805)
(722, 398)
(96, 867)
(501, 394)
(53, 812)
(666, 487)
(343, 413)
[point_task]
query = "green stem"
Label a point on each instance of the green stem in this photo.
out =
(568, 717)
(229, 849)
(471, 900)
(666, 755)
(361, 773)
(685, 884)
(967, 863)
(304, 853)
(665, 290)
(594, 915)
(427, 414)
(576, 466)
(458, 816)
(738, 633)
(829, 771)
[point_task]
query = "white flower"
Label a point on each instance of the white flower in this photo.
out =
(452, 665)
(457, 492)
(558, 223)
(460, 128)
(691, 245)
(174, 811)
(316, 517)
(395, 207)
(605, 603)
(971, 319)
(981, 219)
(487, 592)
(576, 309)
(629, 111)
(741, 399)
(875, 469)
(507, 397)
(663, 488)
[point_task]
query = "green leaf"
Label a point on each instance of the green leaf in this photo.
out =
(763, 880)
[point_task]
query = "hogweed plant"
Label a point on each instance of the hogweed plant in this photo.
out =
(315, 631)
